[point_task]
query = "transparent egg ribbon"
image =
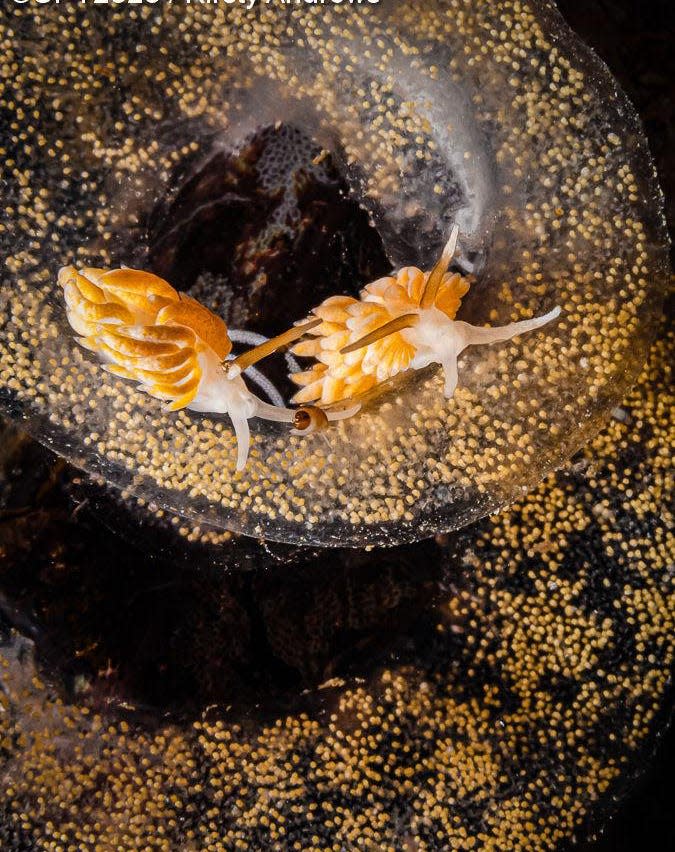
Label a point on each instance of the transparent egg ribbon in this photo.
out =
(494, 117)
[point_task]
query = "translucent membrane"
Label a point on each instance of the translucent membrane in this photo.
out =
(492, 116)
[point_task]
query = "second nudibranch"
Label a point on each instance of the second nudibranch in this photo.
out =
(402, 322)
(174, 348)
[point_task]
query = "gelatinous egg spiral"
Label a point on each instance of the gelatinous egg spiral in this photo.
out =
(491, 116)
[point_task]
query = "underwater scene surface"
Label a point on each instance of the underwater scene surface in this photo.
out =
(196, 657)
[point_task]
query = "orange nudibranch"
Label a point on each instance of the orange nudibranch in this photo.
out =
(405, 321)
(172, 346)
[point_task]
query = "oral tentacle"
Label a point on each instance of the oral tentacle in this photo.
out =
(243, 434)
(451, 376)
(274, 413)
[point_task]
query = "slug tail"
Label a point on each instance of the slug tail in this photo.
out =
(476, 335)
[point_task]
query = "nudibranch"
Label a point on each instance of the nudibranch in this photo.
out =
(401, 322)
(175, 348)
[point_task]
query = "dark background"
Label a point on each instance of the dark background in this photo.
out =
(637, 41)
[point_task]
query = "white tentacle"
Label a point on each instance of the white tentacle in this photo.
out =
(451, 374)
(334, 415)
(274, 413)
(476, 335)
(243, 433)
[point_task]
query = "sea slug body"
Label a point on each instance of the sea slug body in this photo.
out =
(172, 346)
(400, 322)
